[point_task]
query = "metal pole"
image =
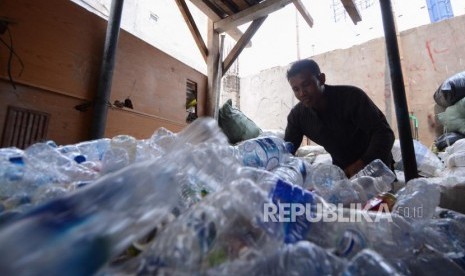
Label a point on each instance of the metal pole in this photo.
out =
(102, 96)
(398, 89)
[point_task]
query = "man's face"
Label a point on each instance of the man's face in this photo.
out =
(307, 88)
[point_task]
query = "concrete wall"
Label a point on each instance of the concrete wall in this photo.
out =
(430, 54)
(61, 46)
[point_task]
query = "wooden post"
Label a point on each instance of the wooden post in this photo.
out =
(213, 44)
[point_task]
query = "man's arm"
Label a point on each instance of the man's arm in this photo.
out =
(293, 133)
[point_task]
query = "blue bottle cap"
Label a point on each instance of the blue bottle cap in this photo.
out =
(18, 160)
(79, 158)
(51, 143)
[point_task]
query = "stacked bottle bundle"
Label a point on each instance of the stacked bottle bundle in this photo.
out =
(191, 203)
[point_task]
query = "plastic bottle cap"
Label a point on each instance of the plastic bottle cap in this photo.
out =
(79, 159)
(18, 160)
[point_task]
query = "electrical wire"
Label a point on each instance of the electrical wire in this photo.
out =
(10, 57)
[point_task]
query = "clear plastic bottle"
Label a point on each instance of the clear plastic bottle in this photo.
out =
(97, 221)
(295, 171)
(263, 152)
(371, 187)
(302, 258)
(163, 139)
(224, 226)
(381, 181)
(94, 150)
(369, 262)
(72, 152)
(127, 142)
(444, 234)
(52, 167)
(302, 208)
(330, 182)
(350, 230)
(428, 163)
(377, 168)
(427, 261)
(325, 175)
(417, 200)
(341, 192)
(121, 153)
(102, 219)
(12, 169)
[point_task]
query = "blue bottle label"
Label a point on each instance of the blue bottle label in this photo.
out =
(294, 230)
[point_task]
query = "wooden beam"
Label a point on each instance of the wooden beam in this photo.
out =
(212, 69)
(219, 76)
(193, 28)
(242, 4)
(352, 10)
(227, 6)
(240, 45)
(250, 14)
(303, 11)
(235, 33)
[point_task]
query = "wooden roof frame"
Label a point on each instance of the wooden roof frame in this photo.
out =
(224, 17)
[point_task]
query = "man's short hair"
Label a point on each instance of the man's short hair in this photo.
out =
(302, 65)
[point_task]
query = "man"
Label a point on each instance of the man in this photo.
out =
(340, 118)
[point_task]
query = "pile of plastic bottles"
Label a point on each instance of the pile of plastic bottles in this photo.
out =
(190, 203)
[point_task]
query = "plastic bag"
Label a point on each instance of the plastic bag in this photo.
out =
(447, 139)
(453, 118)
(451, 90)
(235, 124)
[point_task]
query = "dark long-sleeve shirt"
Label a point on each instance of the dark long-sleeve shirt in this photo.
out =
(352, 127)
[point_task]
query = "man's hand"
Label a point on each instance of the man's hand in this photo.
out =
(354, 168)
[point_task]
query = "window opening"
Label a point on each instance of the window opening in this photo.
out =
(191, 101)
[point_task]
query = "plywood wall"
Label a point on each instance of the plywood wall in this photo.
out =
(61, 46)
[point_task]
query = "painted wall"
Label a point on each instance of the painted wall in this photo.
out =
(61, 46)
(430, 54)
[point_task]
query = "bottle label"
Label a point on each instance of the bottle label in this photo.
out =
(261, 153)
(350, 243)
(294, 230)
